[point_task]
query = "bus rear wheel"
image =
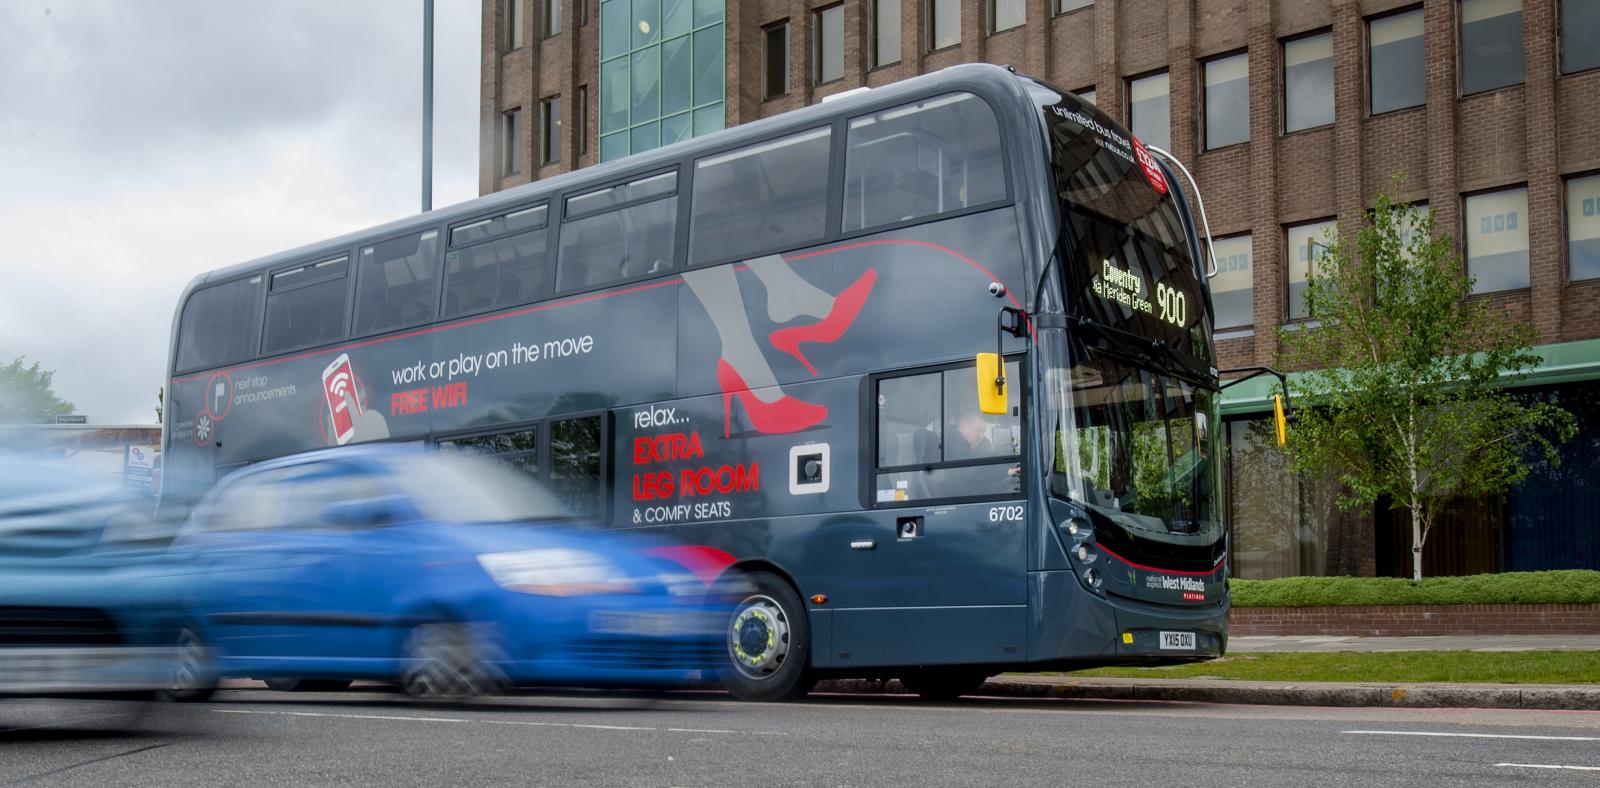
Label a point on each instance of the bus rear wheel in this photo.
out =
(944, 683)
(768, 641)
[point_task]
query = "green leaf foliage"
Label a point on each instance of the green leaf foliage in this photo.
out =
(26, 396)
(1405, 398)
(1560, 587)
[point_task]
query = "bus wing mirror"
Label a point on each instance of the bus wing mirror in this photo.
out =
(991, 384)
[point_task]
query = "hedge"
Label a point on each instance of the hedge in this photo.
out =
(1562, 587)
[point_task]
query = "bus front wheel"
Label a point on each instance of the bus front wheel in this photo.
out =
(768, 639)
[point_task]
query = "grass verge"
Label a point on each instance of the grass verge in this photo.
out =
(1561, 587)
(1456, 667)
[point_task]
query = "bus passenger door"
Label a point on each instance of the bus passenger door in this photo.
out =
(939, 571)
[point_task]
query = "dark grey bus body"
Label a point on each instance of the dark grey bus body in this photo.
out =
(923, 558)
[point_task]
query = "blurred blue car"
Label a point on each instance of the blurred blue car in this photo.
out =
(449, 574)
(90, 603)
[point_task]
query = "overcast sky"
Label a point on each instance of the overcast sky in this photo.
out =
(142, 143)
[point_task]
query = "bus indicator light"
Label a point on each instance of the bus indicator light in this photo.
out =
(1127, 637)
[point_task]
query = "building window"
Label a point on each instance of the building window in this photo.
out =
(1409, 230)
(1227, 101)
(1149, 113)
(1491, 44)
(885, 32)
(1308, 245)
(944, 23)
(1497, 240)
(1580, 35)
(1231, 288)
(552, 17)
(550, 129)
(1087, 94)
(661, 73)
(511, 141)
(1394, 61)
(1063, 6)
(1583, 228)
(1006, 14)
(1308, 82)
(513, 24)
(775, 60)
(828, 28)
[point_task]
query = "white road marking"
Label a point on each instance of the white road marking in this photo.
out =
(528, 723)
(1550, 766)
(342, 716)
(1475, 735)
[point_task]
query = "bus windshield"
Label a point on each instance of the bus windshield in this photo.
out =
(1132, 394)
(1134, 445)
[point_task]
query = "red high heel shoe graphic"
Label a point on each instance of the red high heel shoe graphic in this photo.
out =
(846, 306)
(786, 414)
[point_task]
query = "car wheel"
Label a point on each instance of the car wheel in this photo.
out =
(443, 660)
(193, 675)
(768, 641)
(944, 683)
(308, 685)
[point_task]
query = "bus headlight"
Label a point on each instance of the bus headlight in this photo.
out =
(1083, 552)
(1091, 578)
(556, 571)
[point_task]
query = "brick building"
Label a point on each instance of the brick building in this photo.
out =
(1291, 114)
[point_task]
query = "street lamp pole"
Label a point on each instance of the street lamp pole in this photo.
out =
(427, 105)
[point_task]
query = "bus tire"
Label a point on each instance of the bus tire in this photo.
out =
(944, 683)
(767, 642)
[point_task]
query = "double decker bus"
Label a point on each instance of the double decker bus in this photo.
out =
(765, 345)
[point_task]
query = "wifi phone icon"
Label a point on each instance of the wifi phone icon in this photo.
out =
(339, 388)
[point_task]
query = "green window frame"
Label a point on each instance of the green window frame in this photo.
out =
(662, 73)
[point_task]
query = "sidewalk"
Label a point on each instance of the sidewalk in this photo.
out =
(1318, 693)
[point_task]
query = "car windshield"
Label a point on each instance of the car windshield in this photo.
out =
(468, 489)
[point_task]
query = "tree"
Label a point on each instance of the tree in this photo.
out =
(161, 402)
(1406, 394)
(26, 396)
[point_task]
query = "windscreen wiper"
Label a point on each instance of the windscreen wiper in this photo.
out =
(1143, 350)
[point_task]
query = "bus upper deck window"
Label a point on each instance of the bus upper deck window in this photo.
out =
(922, 159)
(219, 324)
(772, 195)
(395, 283)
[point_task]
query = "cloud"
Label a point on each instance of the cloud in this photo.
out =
(143, 144)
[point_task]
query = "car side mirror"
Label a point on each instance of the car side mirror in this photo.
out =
(369, 512)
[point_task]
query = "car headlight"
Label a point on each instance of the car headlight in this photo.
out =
(556, 571)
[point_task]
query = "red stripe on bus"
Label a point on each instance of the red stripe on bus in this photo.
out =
(1213, 571)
